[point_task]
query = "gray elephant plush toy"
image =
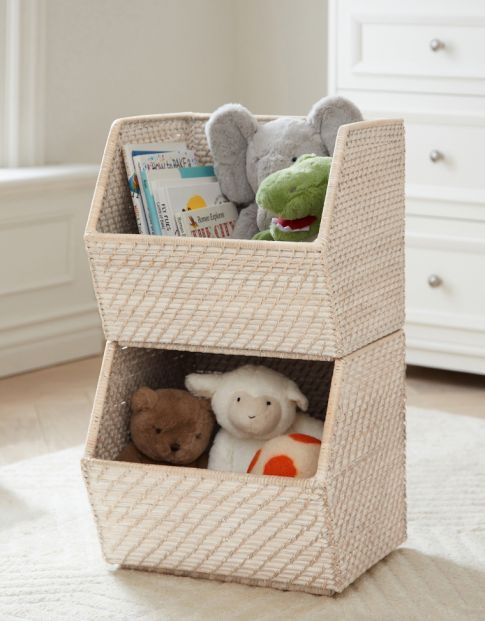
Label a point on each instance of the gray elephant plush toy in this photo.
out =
(245, 152)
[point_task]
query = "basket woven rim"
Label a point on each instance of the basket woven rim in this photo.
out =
(165, 470)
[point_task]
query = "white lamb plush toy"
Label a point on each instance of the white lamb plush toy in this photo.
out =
(252, 404)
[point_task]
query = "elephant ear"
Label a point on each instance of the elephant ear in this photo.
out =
(328, 114)
(228, 131)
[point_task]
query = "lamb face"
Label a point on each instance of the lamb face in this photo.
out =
(253, 403)
(250, 402)
(252, 417)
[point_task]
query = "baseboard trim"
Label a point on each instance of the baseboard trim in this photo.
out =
(51, 350)
(426, 356)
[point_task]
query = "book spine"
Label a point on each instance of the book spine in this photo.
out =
(161, 206)
(149, 203)
(140, 217)
(139, 173)
(134, 188)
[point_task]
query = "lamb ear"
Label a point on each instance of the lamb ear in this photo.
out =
(203, 384)
(228, 131)
(294, 394)
(143, 399)
(328, 114)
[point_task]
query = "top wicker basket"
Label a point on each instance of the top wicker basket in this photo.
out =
(320, 300)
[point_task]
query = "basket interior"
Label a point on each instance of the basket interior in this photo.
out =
(117, 215)
(133, 367)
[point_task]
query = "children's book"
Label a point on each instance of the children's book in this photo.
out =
(176, 199)
(131, 150)
(212, 221)
(158, 161)
(173, 195)
(160, 178)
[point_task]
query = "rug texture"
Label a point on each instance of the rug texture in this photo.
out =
(51, 567)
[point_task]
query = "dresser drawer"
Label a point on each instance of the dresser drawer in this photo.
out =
(444, 280)
(441, 152)
(436, 46)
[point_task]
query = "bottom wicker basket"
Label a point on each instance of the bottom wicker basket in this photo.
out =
(315, 535)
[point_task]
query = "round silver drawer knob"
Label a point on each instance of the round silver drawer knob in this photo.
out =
(436, 44)
(434, 281)
(435, 155)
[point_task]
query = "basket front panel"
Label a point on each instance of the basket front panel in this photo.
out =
(225, 529)
(214, 297)
(190, 521)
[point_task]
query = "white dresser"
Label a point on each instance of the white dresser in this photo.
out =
(424, 61)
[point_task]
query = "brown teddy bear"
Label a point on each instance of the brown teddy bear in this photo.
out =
(169, 426)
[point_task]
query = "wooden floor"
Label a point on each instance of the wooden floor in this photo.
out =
(49, 410)
(46, 410)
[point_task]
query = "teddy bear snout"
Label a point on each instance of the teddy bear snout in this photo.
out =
(174, 447)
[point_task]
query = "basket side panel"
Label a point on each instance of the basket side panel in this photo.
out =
(365, 468)
(363, 232)
(149, 517)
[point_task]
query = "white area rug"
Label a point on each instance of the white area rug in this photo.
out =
(51, 567)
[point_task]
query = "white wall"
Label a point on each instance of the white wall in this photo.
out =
(99, 60)
(281, 54)
(112, 58)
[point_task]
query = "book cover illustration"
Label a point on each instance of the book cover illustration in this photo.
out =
(212, 221)
(200, 209)
(184, 197)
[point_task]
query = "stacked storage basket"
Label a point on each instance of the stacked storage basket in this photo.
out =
(329, 314)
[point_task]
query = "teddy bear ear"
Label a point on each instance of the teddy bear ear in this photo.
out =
(143, 399)
(294, 394)
(203, 384)
(328, 114)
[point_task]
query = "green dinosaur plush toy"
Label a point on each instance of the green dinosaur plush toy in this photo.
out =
(295, 195)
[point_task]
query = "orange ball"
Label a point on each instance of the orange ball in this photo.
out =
(292, 455)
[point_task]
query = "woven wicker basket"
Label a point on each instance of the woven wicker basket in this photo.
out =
(315, 535)
(324, 299)
(328, 314)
